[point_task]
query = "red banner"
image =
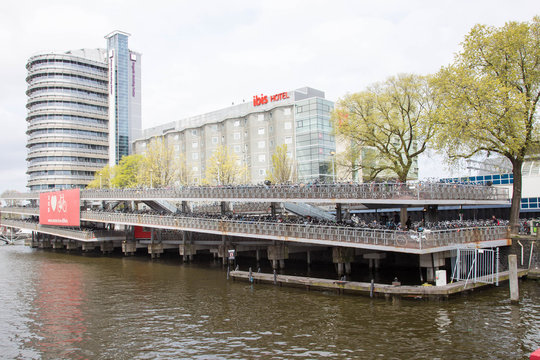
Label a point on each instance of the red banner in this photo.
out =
(60, 208)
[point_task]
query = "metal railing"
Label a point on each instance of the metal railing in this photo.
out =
(83, 235)
(300, 192)
(293, 231)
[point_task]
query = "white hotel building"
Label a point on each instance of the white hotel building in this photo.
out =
(252, 130)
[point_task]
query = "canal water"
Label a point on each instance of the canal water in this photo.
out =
(66, 306)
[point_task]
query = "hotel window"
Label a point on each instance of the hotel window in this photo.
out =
(260, 117)
(262, 158)
(177, 148)
(236, 148)
(261, 144)
(195, 169)
(237, 123)
(287, 125)
(262, 172)
(215, 140)
(195, 156)
(143, 144)
(260, 131)
(236, 136)
(287, 111)
(288, 140)
(213, 127)
(176, 137)
(194, 132)
(194, 144)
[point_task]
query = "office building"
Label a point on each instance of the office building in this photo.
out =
(124, 95)
(67, 118)
(252, 131)
(84, 108)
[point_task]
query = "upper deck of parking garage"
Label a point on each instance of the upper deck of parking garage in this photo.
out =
(373, 194)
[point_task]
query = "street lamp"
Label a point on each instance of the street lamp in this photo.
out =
(333, 154)
(218, 179)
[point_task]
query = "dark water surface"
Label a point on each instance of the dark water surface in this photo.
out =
(61, 306)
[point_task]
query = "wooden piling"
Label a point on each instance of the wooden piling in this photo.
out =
(513, 278)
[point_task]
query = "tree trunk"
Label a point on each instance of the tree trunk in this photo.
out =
(516, 196)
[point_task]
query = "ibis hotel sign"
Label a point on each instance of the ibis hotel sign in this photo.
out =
(264, 99)
(60, 208)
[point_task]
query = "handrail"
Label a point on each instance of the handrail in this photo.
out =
(373, 192)
(335, 234)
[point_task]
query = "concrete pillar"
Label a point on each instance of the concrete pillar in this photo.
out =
(72, 245)
(278, 254)
(129, 247)
(343, 257)
(223, 249)
(431, 262)
(186, 251)
(45, 243)
(88, 246)
(106, 247)
(57, 244)
(340, 269)
(155, 250)
(513, 278)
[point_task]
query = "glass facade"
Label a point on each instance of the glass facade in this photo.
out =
(497, 179)
(315, 144)
(122, 75)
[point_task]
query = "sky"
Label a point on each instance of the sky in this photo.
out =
(201, 56)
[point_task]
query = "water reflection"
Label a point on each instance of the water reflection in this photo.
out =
(71, 306)
(58, 320)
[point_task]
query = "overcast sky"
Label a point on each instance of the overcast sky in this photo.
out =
(200, 56)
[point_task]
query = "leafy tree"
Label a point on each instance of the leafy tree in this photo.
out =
(224, 168)
(160, 167)
(394, 118)
(282, 166)
(488, 97)
(127, 172)
(102, 178)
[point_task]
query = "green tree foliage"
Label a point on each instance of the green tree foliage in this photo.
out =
(127, 172)
(102, 178)
(224, 168)
(394, 118)
(161, 168)
(158, 167)
(488, 97)
(282, 166)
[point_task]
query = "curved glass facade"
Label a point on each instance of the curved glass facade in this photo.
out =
(67, 118)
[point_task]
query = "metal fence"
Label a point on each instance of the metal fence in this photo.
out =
(476, 265)
(83, 235)
(302, 192)
(280, 231)
(286, 231)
